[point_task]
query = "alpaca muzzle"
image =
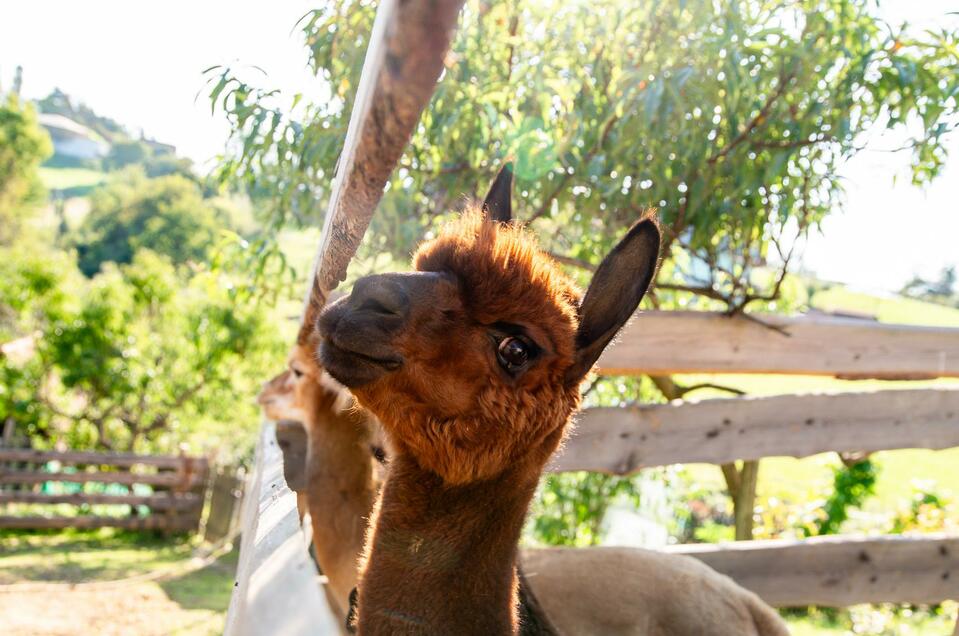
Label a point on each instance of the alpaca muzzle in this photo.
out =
(357, 331)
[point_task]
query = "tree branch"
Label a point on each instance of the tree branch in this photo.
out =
(756, 121)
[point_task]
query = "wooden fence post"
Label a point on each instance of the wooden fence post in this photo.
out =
(413, 37)
(276, 590)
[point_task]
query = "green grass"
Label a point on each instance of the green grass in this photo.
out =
(865, 619)
(71, 181)
(888, 309)
(75, 556)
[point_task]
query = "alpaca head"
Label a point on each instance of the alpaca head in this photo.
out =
(298, 392)
(305, 393)
(277, 398)
(473, 361)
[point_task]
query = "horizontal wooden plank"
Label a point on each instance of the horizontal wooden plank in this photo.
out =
(623, 440)
(152, 522)
(665, 342)
(839, 571)
(157, 502)
(123, 460)
(178, 481)
(276, 590)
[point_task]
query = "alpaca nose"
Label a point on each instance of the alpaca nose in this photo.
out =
(380, 295)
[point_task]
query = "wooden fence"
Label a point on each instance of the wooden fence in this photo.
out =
(621, 441)
(838, 571)
(666, 342)
(277, 588)
(274, 573)
(174, 503)
(226, 495)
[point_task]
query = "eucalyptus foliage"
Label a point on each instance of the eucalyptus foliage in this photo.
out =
(730, 118)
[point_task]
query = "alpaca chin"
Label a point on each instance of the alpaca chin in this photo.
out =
(353, 369)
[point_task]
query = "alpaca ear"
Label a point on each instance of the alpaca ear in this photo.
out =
(498, 202)
(618, 285)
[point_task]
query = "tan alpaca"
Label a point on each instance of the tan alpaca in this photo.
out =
(472, 364)
(339, 462)
(614, 591)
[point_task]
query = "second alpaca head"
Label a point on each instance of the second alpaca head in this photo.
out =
(473, 361)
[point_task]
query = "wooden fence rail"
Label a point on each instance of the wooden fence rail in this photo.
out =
(621, 441)
(277, 589)
(90, 458)
(162, 501)
(667, 342)
(839, 571)
(175, 504)
(180, 481)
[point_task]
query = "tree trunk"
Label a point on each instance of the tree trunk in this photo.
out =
(744, 503)
(741, 483)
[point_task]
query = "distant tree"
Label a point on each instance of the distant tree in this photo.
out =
(943, 289)
(127, 153)
(165, 165)
(23, 146)
(34, 281)
(167, 215)
(141, 357)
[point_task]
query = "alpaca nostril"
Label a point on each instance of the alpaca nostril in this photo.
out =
(380, 295)
(374, 306)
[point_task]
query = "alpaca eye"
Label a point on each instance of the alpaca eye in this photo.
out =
(296, 373)
(513, 353)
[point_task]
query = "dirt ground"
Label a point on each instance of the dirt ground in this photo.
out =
(140, 608)
(108, 585)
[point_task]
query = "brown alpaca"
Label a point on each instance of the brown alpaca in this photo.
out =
(613, 591)
(472, 364)
(339, 462)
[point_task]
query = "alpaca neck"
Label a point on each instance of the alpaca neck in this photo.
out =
(340, 492)
(441, 559)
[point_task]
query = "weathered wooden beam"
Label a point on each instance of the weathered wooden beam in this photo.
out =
(152, 522)
(276, 590)
(124, 460)
(169, 501)
(179, 481)
(667, 342)
(623, 440)
(839, 571)
(403, 62)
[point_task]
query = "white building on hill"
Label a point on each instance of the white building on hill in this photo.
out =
(73, 140)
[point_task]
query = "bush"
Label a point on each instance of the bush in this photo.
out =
(126, 153)
(167, 215)
(142, 357)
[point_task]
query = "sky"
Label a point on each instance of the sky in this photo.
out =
(141, 63)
